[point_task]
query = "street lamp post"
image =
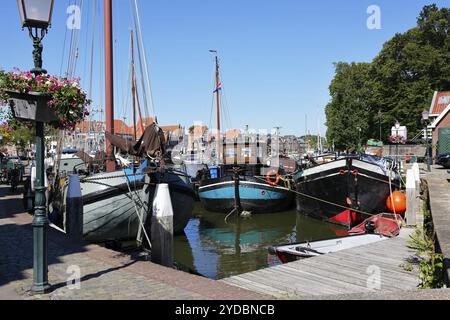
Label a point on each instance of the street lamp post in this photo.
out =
(397, 128)
(379, 122)
(359, 139)
(425, 120)
(36, 16)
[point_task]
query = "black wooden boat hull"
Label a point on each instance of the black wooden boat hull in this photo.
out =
(329, 191)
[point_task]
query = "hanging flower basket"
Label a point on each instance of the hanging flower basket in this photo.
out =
(31, 106)
(60, 102)
(397, 139)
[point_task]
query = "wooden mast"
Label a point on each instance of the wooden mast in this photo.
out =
(133, 86)
(109, 83)
(218, 143)
(217, 93)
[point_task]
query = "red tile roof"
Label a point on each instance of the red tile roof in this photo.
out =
(440, 101)
(170, 128)
(232, 134)
(121, 128)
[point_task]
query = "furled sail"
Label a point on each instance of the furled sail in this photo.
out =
(152, 143)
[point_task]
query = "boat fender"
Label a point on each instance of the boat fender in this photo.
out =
(270, 178)
(272, 250)
(342, 172)
(355, 172)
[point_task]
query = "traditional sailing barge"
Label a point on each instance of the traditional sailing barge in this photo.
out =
(112, 200)
(346, 190)
(239, 182)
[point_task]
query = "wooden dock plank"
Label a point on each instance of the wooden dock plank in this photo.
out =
(288, 286)
(342, 272)
(356, 270)
(355, 280)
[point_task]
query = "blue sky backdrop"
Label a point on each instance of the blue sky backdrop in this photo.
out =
(276, 56)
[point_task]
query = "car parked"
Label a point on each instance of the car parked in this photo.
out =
(444, 160)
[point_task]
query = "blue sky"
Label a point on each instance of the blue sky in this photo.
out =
(276, 56)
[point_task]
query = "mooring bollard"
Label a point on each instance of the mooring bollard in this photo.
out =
(74, 209)
(411, 194)
(162, 227)
(416, 170)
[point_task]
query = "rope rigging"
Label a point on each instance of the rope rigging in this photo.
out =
(143, 54)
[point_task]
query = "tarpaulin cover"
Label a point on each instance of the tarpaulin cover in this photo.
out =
(386, 224)
(152, 143)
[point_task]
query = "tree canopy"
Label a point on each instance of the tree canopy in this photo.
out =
(399, 82)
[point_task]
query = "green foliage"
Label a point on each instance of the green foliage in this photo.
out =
(311, 140)
(422, 241)
(400, 82)
(22, 134)
(430, 263)
(349, 108)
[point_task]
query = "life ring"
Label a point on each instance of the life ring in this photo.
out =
(270, 180)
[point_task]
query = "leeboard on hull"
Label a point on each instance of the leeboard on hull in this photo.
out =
(256, 196)
(339, 191)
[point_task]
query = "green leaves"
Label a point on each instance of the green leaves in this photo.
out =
(430, 263)
(400, 82)
(349, 109)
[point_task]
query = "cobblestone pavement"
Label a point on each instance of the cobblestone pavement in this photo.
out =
(104, 274)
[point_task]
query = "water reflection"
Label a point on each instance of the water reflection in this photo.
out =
(217, 249)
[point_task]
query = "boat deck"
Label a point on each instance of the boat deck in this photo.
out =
(376, 267)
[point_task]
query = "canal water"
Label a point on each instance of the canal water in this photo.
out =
(215, 248)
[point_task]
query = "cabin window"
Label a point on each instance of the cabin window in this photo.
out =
(230, 153)
(246, 152)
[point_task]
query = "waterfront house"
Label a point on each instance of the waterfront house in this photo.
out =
(439, 115)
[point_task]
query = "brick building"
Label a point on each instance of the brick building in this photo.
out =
(439, 115)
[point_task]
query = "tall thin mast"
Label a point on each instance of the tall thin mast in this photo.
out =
(217, 93)
(109, 83)
(218, 109)
(133, 86)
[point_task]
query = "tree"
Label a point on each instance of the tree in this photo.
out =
(349, 109)
(400, 82)
(23, 134)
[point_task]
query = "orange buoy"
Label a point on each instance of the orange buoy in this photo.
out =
(273, 178)
(397, 201)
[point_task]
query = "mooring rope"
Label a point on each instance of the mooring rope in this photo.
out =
(324, 201)
(141, 223)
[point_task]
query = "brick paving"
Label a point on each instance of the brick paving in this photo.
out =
(105, 274)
